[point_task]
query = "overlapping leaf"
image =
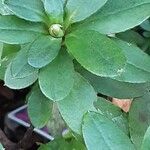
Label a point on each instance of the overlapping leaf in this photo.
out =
(8, 49)
(4, 10)
(1, 147)
(19, 73)
(118, 15)
(95, 52)
(114, 88)
(112, 112)
(9, 52)
(138, 64)
(55, 10)
(17, 31)
(19, 83)
(19, 65)
(146, 25)
(43, 50)
(1, 51)
(139, 119)
(77, 103)
(56, 80)
(146, 143)
(80, 9)
(132, 36)
(61, 144)
(100, 133)
(39, 108)
(32, 10)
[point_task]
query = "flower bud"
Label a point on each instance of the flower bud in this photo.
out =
(56, 31)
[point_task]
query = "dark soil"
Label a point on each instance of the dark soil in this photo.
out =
(12, 137)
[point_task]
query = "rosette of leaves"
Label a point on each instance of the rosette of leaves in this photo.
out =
(69, 48)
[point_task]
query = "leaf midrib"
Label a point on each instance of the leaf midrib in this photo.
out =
(101, 133)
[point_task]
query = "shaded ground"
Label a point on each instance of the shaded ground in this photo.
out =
(11, 136)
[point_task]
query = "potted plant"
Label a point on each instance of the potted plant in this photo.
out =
(69, 51)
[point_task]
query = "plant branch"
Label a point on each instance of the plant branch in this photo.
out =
(27, 141)
(6, 142)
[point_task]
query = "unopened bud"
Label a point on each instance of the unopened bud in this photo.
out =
(56, 30)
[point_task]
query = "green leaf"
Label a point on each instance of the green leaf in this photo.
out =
(1, 147)
(31, 10)
(107, 108)
(77, 103)
(133, 74)
(39, 108)
(43, 50)
(56, 79)
(139, 119)
(106, 135)
(96, 53)
(1, 52)
(146, 143)
(19, 83)
(9, 52)
(112, 87)
(146, 34)
(117, 16)
(19, 65)
(9, 49)
(80, 9)
(138, 64)
(77, 145)
(135, 56)
(2, 70)
(133, 37)
(17, 31)
(3, 66)
(4, 10)
(56, 124)
(112, 112)
(61, 144)
(55, 10)
(146, 25)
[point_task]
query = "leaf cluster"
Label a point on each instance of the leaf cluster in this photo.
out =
(71, 50)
